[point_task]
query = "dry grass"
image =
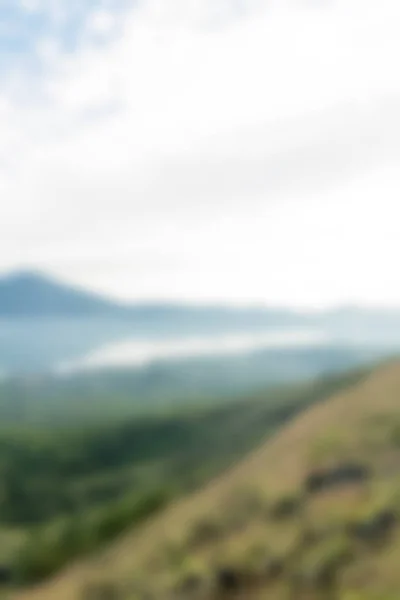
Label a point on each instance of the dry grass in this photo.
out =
(275, 470)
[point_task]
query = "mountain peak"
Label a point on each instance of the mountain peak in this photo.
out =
(32, 293)
(26, 276)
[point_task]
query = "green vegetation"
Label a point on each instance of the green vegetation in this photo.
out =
(50, 548)
(331, 532)
(301, 557)
(47, 473)
(109, 395)
(67, 492)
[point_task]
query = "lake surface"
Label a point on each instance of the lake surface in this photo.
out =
(40, 345)
(141, 352)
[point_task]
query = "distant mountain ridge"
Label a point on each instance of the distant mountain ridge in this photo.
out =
(26, 293)
(45, 323)
(32, 294)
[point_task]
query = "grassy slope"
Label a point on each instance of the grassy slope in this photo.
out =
(276, 469)
(48, 473)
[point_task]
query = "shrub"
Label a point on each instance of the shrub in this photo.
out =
(37, 560)
(105, 590)
(174, 555)
(342, 474)
(243, 506)
(321, 568)
(262, 563)
(374, 529)
(190, 585)
(205, 531)
(286, 507)
(229, 580)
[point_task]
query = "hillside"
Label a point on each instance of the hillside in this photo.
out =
(70, 487)
(312, 514)
(48, 471)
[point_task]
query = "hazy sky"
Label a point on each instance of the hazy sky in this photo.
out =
(238, 150)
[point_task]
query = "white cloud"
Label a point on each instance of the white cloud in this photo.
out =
(101, 21)
(212, 157)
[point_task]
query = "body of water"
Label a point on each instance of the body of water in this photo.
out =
(140, 352)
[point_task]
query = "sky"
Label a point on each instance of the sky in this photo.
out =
(236, 151)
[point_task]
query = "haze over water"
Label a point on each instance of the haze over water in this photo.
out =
(140, 352)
